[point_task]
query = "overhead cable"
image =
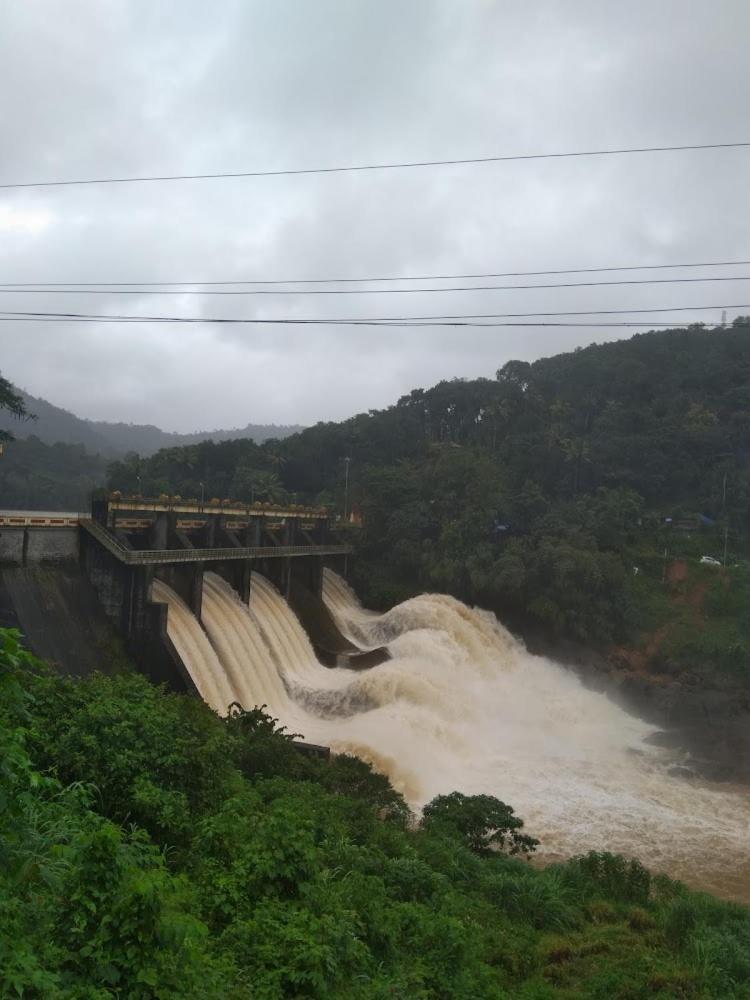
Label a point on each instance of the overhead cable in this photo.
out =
(374, 291)
(643, 324)
(342, 281)
(361, 167)
(387, 321)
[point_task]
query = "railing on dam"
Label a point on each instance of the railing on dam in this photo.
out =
(146, 557)
(40, 519)
(227, 508)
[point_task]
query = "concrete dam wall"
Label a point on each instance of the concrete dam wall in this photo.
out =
(48, 595)
(57, 611)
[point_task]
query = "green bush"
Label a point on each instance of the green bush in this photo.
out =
(155, 759)
(482, 821)
(609, 875)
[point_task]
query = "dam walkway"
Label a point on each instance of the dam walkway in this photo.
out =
(157, 557)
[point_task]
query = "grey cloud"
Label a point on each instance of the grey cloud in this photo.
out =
(121, 87)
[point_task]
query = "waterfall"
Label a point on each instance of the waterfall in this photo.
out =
(195, 650)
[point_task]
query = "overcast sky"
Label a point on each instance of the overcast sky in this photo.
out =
(137, 87)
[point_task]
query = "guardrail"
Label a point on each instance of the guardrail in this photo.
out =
(154, 505)
(40, 519)
(153, 557)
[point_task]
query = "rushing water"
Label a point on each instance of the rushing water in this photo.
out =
(241, 647)
(194, 649)
(462, 705)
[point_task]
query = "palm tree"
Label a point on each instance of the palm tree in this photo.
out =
(268, 486)
(275, 457)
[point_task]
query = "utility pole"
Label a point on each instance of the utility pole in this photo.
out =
(203, 492)
(726, 542)
(726, 519)
(346, 487)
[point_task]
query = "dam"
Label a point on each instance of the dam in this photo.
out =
(71, 582)
(453, 702)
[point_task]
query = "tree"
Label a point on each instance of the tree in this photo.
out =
(481, 821)
(13, 402)
(246, 480)
(268, 486)
(515, 373)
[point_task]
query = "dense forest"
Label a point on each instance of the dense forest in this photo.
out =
(554, 493)
(149, 849)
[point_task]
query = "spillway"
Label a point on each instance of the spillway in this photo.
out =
(241, 647)
(311, 684)
(287, 640)
(462, 705)
(354, 621)
(195, 650)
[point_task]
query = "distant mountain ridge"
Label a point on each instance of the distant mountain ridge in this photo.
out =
(55, 424)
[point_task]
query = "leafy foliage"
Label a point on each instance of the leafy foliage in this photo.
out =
(12, 402)
(482, 821)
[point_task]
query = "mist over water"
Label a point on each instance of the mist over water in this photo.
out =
(461, 705)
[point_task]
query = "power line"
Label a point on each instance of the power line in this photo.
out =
(402, 321)
(361, 167)
(341, 281)
(374, 291)
(577, 312)
(393, 319)
(368, 323)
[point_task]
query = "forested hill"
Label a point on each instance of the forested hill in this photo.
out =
(535, 493)
(54, 424)
(665, 414)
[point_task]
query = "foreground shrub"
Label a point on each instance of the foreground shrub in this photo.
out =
(482, 821)
(610, 875)
(156, 759)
